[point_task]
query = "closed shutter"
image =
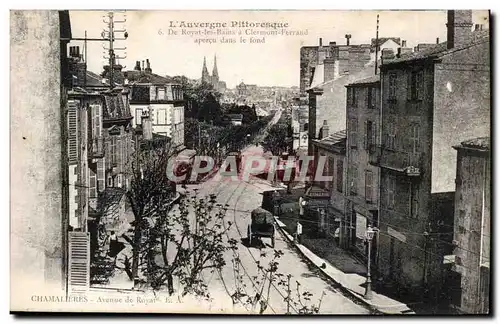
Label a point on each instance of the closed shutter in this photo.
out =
(108, 153)
(72, 132)
(369, 186)
(93, 184)
(79, 261)
(374, 134)
(101, 179)
(119, 151)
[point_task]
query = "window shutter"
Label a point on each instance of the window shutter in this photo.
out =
(108, 153)
(119, 152)
(93, 184)
(79, 261)
(374, 134)
(101, 175)
(72, 132)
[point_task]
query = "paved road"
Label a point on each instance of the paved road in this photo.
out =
(242, 197)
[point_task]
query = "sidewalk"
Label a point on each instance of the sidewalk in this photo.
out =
(352, 283)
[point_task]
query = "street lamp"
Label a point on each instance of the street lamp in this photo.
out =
(248, 139)
(370, 232)
(302, 204)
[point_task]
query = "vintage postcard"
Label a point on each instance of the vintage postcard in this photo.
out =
(250, 162)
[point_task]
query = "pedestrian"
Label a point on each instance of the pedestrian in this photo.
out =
(113, 244)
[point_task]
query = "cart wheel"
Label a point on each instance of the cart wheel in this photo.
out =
(272, 242)
(249, 236)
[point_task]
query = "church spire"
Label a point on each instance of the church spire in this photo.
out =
(205, 77)
(215, 73)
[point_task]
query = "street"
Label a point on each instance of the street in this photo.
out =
(242, 197)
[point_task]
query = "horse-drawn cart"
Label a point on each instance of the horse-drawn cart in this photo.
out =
(262, 226)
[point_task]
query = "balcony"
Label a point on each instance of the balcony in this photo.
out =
(404, 162)
(96, 147)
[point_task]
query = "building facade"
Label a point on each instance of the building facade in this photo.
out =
(363, 112)
(38, 168)
(332, 149)
(429, 99)
(472, 229)
(163, 100)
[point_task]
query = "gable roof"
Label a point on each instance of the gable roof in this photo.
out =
(382, 40)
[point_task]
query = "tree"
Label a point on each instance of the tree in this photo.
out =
(275, 140)
(150, 194)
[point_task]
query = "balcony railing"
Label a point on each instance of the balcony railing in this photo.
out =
(409, 163)
(96, 147)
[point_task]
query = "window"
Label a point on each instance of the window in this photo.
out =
(353, 132)
(72, 132)
(169, 93)
(390, 137)
(414, 200)
(138, 116)
(369, 135)
(96, 120)
(161, 116)
(369, 186)
(352, 181)
(372, 97)
(415, 85)
(114, 155)
(353, 97)
(392, 86)
(92, 185)
(391, 189)
(340, 176)
(160, 93)
(415, 138)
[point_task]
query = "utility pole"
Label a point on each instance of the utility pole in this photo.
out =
(109, 35)
(376, 47)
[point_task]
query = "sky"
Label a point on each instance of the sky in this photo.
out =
(275, 62)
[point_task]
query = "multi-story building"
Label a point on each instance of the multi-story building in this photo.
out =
(342, 59)
(118, 137)
(38, 204)
(472, 229)
(162, 99)
(331, 148)
(429, 100)
(335, 67)
(363, 112)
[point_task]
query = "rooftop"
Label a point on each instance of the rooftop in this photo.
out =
(440, 49)
(114, 107)
(335, 141)
(369, 80)
(482, 143)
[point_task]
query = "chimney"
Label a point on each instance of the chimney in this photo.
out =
(148, 67)
(142, 69)
(399, 52)
(324, 130)
(137, 66)
(320, 42)
(437, 40)
(459, 28)
(331, 69)
(403, 43)
(387, 54)
(347, 39)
